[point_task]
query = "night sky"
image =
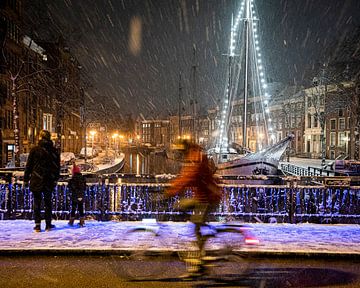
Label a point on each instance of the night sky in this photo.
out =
(134, 50)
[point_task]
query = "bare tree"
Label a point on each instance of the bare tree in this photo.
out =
(21, 76)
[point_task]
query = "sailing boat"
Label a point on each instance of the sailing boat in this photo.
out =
(229, 159)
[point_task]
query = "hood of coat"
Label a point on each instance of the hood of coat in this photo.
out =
(47, 144)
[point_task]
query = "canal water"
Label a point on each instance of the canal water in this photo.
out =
(146, 161)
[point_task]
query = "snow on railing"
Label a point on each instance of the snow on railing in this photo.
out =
(134, 201)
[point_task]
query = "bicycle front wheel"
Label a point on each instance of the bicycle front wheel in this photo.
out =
(229, 267)
(229, 259)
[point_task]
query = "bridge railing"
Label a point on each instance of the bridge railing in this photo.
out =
(305, 171)
(334, 201)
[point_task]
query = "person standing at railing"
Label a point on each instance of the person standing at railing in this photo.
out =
(77, 188)
(197, 174)
(43, 171)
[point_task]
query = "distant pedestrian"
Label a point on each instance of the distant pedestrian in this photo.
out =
(77, 188)
(43, 172)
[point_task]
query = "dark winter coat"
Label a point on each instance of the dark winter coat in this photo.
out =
(77, 186)
(42, 167)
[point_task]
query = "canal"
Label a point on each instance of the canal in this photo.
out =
(148, 161)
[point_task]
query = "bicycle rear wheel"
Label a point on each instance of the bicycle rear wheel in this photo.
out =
(147, 261)
(144, 265)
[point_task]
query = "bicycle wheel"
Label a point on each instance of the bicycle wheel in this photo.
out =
(147, 261)
(143, 265)
(225, 255)
(191, 258)
(229, 267)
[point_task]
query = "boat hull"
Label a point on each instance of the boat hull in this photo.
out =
(260, 163)
(111, 169)
(245, 167)
(101, 165)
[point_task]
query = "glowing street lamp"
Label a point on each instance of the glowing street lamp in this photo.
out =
(92, 133)
(114, 137)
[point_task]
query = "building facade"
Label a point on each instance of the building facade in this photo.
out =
(39, 89)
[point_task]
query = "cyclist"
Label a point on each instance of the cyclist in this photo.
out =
(197, 174)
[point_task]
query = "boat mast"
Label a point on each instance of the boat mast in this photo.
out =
(194, 97)
(180, 88)
(224, 125)
(229, 99)
(247, 31)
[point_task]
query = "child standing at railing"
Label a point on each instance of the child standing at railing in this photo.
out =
(77, 187)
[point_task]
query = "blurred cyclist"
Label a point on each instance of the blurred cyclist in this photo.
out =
(197, 174)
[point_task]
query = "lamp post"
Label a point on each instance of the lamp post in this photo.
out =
(347, 146)
(92, 133)
(320, 115)
(114, 137)
(121, 137)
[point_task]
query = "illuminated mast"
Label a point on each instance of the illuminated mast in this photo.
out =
(252, 63)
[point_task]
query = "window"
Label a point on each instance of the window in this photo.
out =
(309, 120)
(332, 139)
(309, 101)
(293, 121)
(298, 121)
(341, 123)
(47, 122)
(333, 124)
(342, 139)
(316, 122)
(8, 120)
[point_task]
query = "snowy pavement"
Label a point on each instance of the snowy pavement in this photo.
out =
(17, 236)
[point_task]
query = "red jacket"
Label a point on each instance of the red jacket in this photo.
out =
(198, 175)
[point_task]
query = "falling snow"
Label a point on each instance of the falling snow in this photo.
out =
(140, 47)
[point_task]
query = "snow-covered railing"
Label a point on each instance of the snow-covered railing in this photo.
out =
(296, 170)
(134, 201)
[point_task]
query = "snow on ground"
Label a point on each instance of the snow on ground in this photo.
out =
(17, 235)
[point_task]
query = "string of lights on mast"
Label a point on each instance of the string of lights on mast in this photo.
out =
(247, 13)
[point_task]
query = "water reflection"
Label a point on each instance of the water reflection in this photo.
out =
(148, 161)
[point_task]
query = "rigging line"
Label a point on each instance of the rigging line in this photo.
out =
(260, 116)
(246, 23)
(236, 73)
(261, 90)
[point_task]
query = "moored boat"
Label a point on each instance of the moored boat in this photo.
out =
(247, 63)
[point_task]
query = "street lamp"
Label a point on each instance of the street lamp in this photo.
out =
(121, 137)
(346, 140)
(92, 133)
(114, 137)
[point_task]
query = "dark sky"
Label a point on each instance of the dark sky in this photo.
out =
(134, 50)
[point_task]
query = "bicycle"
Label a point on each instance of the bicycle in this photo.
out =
(221, 254)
